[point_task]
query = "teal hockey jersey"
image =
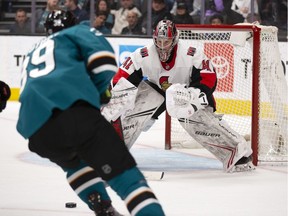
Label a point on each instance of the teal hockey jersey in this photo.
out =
(74, 64)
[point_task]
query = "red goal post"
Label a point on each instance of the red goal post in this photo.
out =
(251, 90)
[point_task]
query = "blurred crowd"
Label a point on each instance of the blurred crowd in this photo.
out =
(139, 17)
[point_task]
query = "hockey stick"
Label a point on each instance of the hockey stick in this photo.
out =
(153, 175)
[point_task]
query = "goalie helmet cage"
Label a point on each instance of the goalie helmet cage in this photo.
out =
(251, 90)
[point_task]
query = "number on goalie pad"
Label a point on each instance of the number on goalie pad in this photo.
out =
(182, 102)
(214, 134)
(148, 100)
(122, 100)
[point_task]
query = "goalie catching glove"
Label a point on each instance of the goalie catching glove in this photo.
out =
(183, 102)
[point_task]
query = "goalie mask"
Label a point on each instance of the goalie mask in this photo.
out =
(58, 20)
(165, 37)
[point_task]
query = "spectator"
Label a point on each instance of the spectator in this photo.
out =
(22, 23)
(104, 5)
(213, 7)
(137, 3)
(121, 14)
(182, 15)
(83, 3)
(274, 12)
(80, 14)
(170, 4)
(143, 4)
(267, 13)
(232, 17)
(216, 19)
(243, 7)
(114, 4)
(99, 22)
(254, 18)
(160, 11)
(134, 27)
(188, 3)
(196, 12)
(41, 14)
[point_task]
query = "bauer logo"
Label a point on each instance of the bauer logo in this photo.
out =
(125, 51)
(202, 133)
(222, 59)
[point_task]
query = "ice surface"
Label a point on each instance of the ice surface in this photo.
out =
(194, 183)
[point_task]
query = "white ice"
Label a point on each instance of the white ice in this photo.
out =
(194, 183)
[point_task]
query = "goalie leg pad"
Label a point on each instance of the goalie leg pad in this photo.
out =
(214, 134)
(148, 100)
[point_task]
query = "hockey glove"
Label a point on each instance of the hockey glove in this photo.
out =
(182, 102)
(5, 94)
(122, 100)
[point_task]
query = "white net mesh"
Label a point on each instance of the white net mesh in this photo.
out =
(231, 52)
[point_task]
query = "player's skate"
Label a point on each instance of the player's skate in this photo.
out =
(102, 207)
(243, 165)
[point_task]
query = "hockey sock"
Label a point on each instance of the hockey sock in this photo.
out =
(85, 181)
(132, 187)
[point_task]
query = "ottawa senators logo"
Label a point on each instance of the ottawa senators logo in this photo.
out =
(164, 83)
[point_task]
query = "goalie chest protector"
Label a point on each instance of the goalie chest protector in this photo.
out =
(186, 58)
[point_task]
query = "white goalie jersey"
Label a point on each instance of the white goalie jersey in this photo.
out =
(188, 66)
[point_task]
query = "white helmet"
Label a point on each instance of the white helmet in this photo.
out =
(165, 37)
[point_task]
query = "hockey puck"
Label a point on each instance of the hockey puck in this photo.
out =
(70, 205)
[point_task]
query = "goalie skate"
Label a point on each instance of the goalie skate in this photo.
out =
(243, 165)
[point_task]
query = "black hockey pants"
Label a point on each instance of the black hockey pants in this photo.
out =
(82, 133)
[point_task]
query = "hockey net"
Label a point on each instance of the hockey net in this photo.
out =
(251, 90)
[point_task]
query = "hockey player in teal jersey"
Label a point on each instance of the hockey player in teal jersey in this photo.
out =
(64, 78)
